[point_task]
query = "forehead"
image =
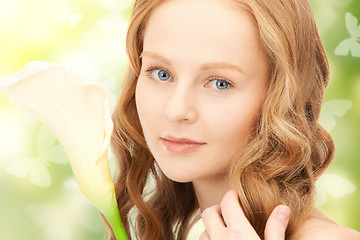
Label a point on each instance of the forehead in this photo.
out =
(203, 30)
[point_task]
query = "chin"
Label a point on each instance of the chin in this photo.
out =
(178, 176)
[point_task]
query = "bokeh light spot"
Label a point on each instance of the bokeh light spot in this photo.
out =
(13, 134)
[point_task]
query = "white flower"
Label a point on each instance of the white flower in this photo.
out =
(80, 117)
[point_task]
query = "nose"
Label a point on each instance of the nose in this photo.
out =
(181, 105)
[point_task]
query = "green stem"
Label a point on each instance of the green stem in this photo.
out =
(116, 225)
(113, 217)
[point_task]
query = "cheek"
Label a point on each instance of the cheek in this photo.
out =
(148, 105)
(231, 130)
(141, 99)
(232, 124)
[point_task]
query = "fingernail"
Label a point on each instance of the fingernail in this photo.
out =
(283, 212)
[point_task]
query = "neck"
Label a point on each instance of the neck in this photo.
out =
(210, 192)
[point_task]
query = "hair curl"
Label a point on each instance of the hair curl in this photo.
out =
(286, 155)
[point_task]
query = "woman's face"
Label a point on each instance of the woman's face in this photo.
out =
(201, 86)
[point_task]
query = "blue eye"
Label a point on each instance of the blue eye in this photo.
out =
(162, 75)
(219, 84)
(222, 84)
(158, 73)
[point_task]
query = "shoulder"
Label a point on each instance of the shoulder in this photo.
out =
(320, 227)
(330, 232)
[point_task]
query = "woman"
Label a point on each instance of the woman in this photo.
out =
(220, 109)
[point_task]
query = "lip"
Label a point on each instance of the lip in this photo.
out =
(180, 145)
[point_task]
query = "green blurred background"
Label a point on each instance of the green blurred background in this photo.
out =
(39, 198)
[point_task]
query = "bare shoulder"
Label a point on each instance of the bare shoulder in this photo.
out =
(320, 227)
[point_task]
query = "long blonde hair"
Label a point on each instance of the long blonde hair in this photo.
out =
(280, 165)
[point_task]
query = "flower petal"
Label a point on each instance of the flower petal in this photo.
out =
(79, 114)
(75, 113)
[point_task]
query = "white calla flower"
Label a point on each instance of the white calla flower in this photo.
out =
(80, 117)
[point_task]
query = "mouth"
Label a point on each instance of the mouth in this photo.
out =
(180, 145)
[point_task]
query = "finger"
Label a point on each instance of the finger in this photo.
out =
(276, 224)
(213, 221)
(235, 218)
(204, 236)
(231, 209)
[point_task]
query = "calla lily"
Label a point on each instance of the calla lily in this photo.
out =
(80, 117)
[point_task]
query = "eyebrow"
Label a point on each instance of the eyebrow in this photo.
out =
(205, 66)
(157, 56)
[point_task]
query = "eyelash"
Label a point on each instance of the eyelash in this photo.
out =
(152, 68)
(219, 79)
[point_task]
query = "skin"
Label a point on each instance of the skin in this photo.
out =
(203, 77)
(198, 44)
(227, 221)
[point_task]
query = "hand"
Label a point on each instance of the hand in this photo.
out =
(228, 221)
